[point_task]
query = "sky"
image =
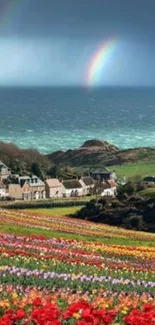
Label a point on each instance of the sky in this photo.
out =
(52, 42)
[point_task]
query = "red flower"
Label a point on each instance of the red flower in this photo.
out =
(46, 315)
(5, 320)
(144, 317)
(37, 302)
(20, 314)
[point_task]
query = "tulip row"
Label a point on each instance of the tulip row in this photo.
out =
(66, 281)
(41, 308)
(73, 264)
(73, 226)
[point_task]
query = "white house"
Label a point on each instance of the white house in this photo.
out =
(87, 184)
(110, 188)
(53, 188)
(72, 188)
(5, 172)
(2, 190)
(108, 192)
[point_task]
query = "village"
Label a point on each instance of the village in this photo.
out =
(30, 187)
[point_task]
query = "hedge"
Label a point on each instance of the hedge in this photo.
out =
(44, 204)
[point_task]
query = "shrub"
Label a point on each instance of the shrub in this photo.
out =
(127, 189)
(44, 204)
(134, 222)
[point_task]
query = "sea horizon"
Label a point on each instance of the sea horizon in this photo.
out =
(60, 118)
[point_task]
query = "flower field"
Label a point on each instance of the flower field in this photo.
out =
(47, 280)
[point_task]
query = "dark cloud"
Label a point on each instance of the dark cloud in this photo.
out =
(80, 18)
(51, 41)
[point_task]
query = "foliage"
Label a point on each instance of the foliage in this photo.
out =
(127, 189)
(45, 204)
(135, 222)
(21, 160)
(58, 171)
(37, 170)
(133, 213)
(148, 193)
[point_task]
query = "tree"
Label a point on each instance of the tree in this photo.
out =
(54, 171)
(127, 189)
(37, 170)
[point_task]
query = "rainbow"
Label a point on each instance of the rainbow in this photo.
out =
(98, 61)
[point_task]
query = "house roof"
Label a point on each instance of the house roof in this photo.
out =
(39, 183)
(29, 180)
(112, 183)
(88, 180)
(150, 179)
(105, 185)
(26, 177)
(23, 178)
(53, 182)
(71, 184)
(102, 170)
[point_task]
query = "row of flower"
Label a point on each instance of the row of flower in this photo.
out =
(42, 308)
(62, 281)
(82, 252)
(66, 224)
(77, 265)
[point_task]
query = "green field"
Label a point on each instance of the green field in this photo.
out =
(136, 170)
(56, 211)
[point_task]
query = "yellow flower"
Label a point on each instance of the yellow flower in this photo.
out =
(106, 305)
(14, 295)
(76, 315)
(124, 311)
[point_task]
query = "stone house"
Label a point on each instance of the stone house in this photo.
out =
(5, 172)
(72, 188)
(87, 184)
(15, 191)
(28, 188)
(53, 188)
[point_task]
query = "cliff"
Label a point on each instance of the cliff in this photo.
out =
(100, 152)
(92, 152)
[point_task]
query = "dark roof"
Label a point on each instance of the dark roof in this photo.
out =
(105, 185)
(88, 180)
(71, 184)
(150, 179)
(30, 180)
(102, 170)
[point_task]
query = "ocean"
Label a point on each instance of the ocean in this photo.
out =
(51, 119)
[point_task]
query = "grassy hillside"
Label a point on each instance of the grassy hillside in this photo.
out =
(137, 170)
